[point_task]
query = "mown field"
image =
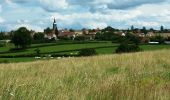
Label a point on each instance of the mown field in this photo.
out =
(133, 76)
(101, 47)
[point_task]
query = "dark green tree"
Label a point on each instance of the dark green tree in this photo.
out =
(132, 28)
(144, 30)
(38, 36)
(21, 38)
(47, 30)
(2, 35)
(125, 48)
(158, 38)
(37, 51)
(71, 30)
(87, 52)
(108, 29)
(162, 29)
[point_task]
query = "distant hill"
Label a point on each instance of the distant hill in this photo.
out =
(136, 76)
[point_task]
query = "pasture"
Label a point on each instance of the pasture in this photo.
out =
(62, 47)
(133, 76)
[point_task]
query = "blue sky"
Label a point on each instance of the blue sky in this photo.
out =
(78, 14)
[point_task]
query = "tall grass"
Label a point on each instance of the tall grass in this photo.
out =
(137, 76)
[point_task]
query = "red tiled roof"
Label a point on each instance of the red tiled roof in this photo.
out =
(66, 33)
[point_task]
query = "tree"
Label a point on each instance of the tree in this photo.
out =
(125, 48)
(21, 38)
(47, 30)
(162, 29)
(152, 30)
(87, 52)
(158, 38)
(37, 51)
(38, 36)
(72, 30)
(132, 38)
(2, 35)
(108, 29)
(144, 30)
(132, 28)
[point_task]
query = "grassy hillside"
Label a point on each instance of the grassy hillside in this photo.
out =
(64, 48)
(137, 76)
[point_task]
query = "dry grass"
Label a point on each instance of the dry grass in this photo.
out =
(137, 76)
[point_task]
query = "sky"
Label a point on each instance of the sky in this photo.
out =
(77, 14)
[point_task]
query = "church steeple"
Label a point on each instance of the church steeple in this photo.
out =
(54, 20)
(55, 29)
(54, 24)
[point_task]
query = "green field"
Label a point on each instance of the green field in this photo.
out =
(104, 47)
(132, 76)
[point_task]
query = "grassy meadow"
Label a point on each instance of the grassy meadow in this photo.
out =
(133, 76)
(64, 47)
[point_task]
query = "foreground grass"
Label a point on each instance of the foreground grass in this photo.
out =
(138, 76)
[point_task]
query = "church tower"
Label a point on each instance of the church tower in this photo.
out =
(54, 24)
(55, 29)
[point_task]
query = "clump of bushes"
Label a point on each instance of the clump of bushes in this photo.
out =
(158, 38)
(80, 38)
(4, 61)
(37, 51)
(126, 48)
(1, 45)
(87, 52)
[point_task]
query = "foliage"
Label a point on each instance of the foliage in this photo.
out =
(80, 38)
(64, 38)
(38, 36)
(71, 30)
(132, 38)
(37, 51)
(158, 38)
(144, 30)
(87, 52)
(126, 48)
(47, 30)
(2, 35)
(109, 36)
(161, 29)
(21, 38)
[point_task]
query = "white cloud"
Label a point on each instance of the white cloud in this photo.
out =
(1, 20)
(94, 24)
(144, 23)
(54, 5)
(0, 8)
(30, 27)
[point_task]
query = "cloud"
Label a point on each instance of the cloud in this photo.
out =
(0, 8)
(28, 26)
(39, 14)
(95, 24)
(53, 5)
(124, 4)
(112, 4)
(20, 1)
(144, 23)
(1, 20)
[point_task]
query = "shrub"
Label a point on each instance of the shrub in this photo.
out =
(1, 45)
(125, 48)
(80, 38)
(4, 61)
(87, 52)
(38, 36)
(158, 38)
(37, 51)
